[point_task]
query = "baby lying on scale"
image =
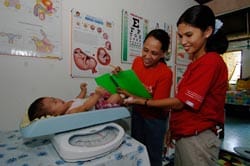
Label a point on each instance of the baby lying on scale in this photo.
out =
(100, 99)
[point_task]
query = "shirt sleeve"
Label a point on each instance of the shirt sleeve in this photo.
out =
(195, 84)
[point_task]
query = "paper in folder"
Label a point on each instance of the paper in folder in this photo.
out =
(126, 80)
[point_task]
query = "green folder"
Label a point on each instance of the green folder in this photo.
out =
(126, 80)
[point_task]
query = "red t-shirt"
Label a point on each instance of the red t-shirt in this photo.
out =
(203, 90)
(158, 80)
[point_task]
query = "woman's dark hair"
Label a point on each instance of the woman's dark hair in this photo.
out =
(162, 36)
(201, 16)
(36, 109)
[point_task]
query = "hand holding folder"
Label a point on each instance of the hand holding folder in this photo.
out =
(126, 80)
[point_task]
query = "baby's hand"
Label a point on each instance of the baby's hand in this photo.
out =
(83, 86)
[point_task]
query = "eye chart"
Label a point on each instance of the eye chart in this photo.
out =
(134, 30)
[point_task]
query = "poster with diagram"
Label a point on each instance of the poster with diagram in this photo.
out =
(91, 50)
(134, 30)
(30, 28)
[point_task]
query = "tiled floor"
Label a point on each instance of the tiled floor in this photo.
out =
(237, 131)
(227, 159)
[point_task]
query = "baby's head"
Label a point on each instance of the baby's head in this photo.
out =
(47, 106)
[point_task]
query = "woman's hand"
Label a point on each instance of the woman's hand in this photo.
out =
(124, 92)
(134, 100)
(116, 70)
(130, 98)
(168, 140)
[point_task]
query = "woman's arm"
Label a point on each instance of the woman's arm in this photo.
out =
(172, 103)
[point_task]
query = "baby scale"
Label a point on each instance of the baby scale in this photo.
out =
(81, 136)
(89, 143)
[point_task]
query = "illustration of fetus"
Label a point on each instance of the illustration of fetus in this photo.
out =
(11, 37)
(43, 7)
(84, 61)
(103, 56)
(108, 45)
(12, 3)
(43, 45)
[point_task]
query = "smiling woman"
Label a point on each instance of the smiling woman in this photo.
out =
(197, 110)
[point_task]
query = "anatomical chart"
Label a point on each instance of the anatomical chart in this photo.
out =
(91, 52)
(30, 28)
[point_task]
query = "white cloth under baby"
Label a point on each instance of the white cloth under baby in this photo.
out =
(78, 102)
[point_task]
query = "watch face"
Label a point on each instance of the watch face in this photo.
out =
(95, 138)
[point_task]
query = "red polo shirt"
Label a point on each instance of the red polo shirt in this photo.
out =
(158, 80)
(203, 90)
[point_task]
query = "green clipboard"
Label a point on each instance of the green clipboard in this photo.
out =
(126, 79)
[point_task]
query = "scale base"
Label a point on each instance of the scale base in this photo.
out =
(88, 143)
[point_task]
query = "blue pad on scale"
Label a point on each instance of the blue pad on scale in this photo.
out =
(62, 123)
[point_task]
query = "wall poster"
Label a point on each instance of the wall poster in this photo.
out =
(154, 24)
(179, 71)
(91, 48)
(31, 28)
(134, 30)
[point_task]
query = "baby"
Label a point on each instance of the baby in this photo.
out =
(100, 99)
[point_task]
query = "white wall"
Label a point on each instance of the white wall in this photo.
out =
(23, 78)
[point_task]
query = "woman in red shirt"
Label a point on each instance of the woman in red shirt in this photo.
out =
(198, 107)
(149, 123)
